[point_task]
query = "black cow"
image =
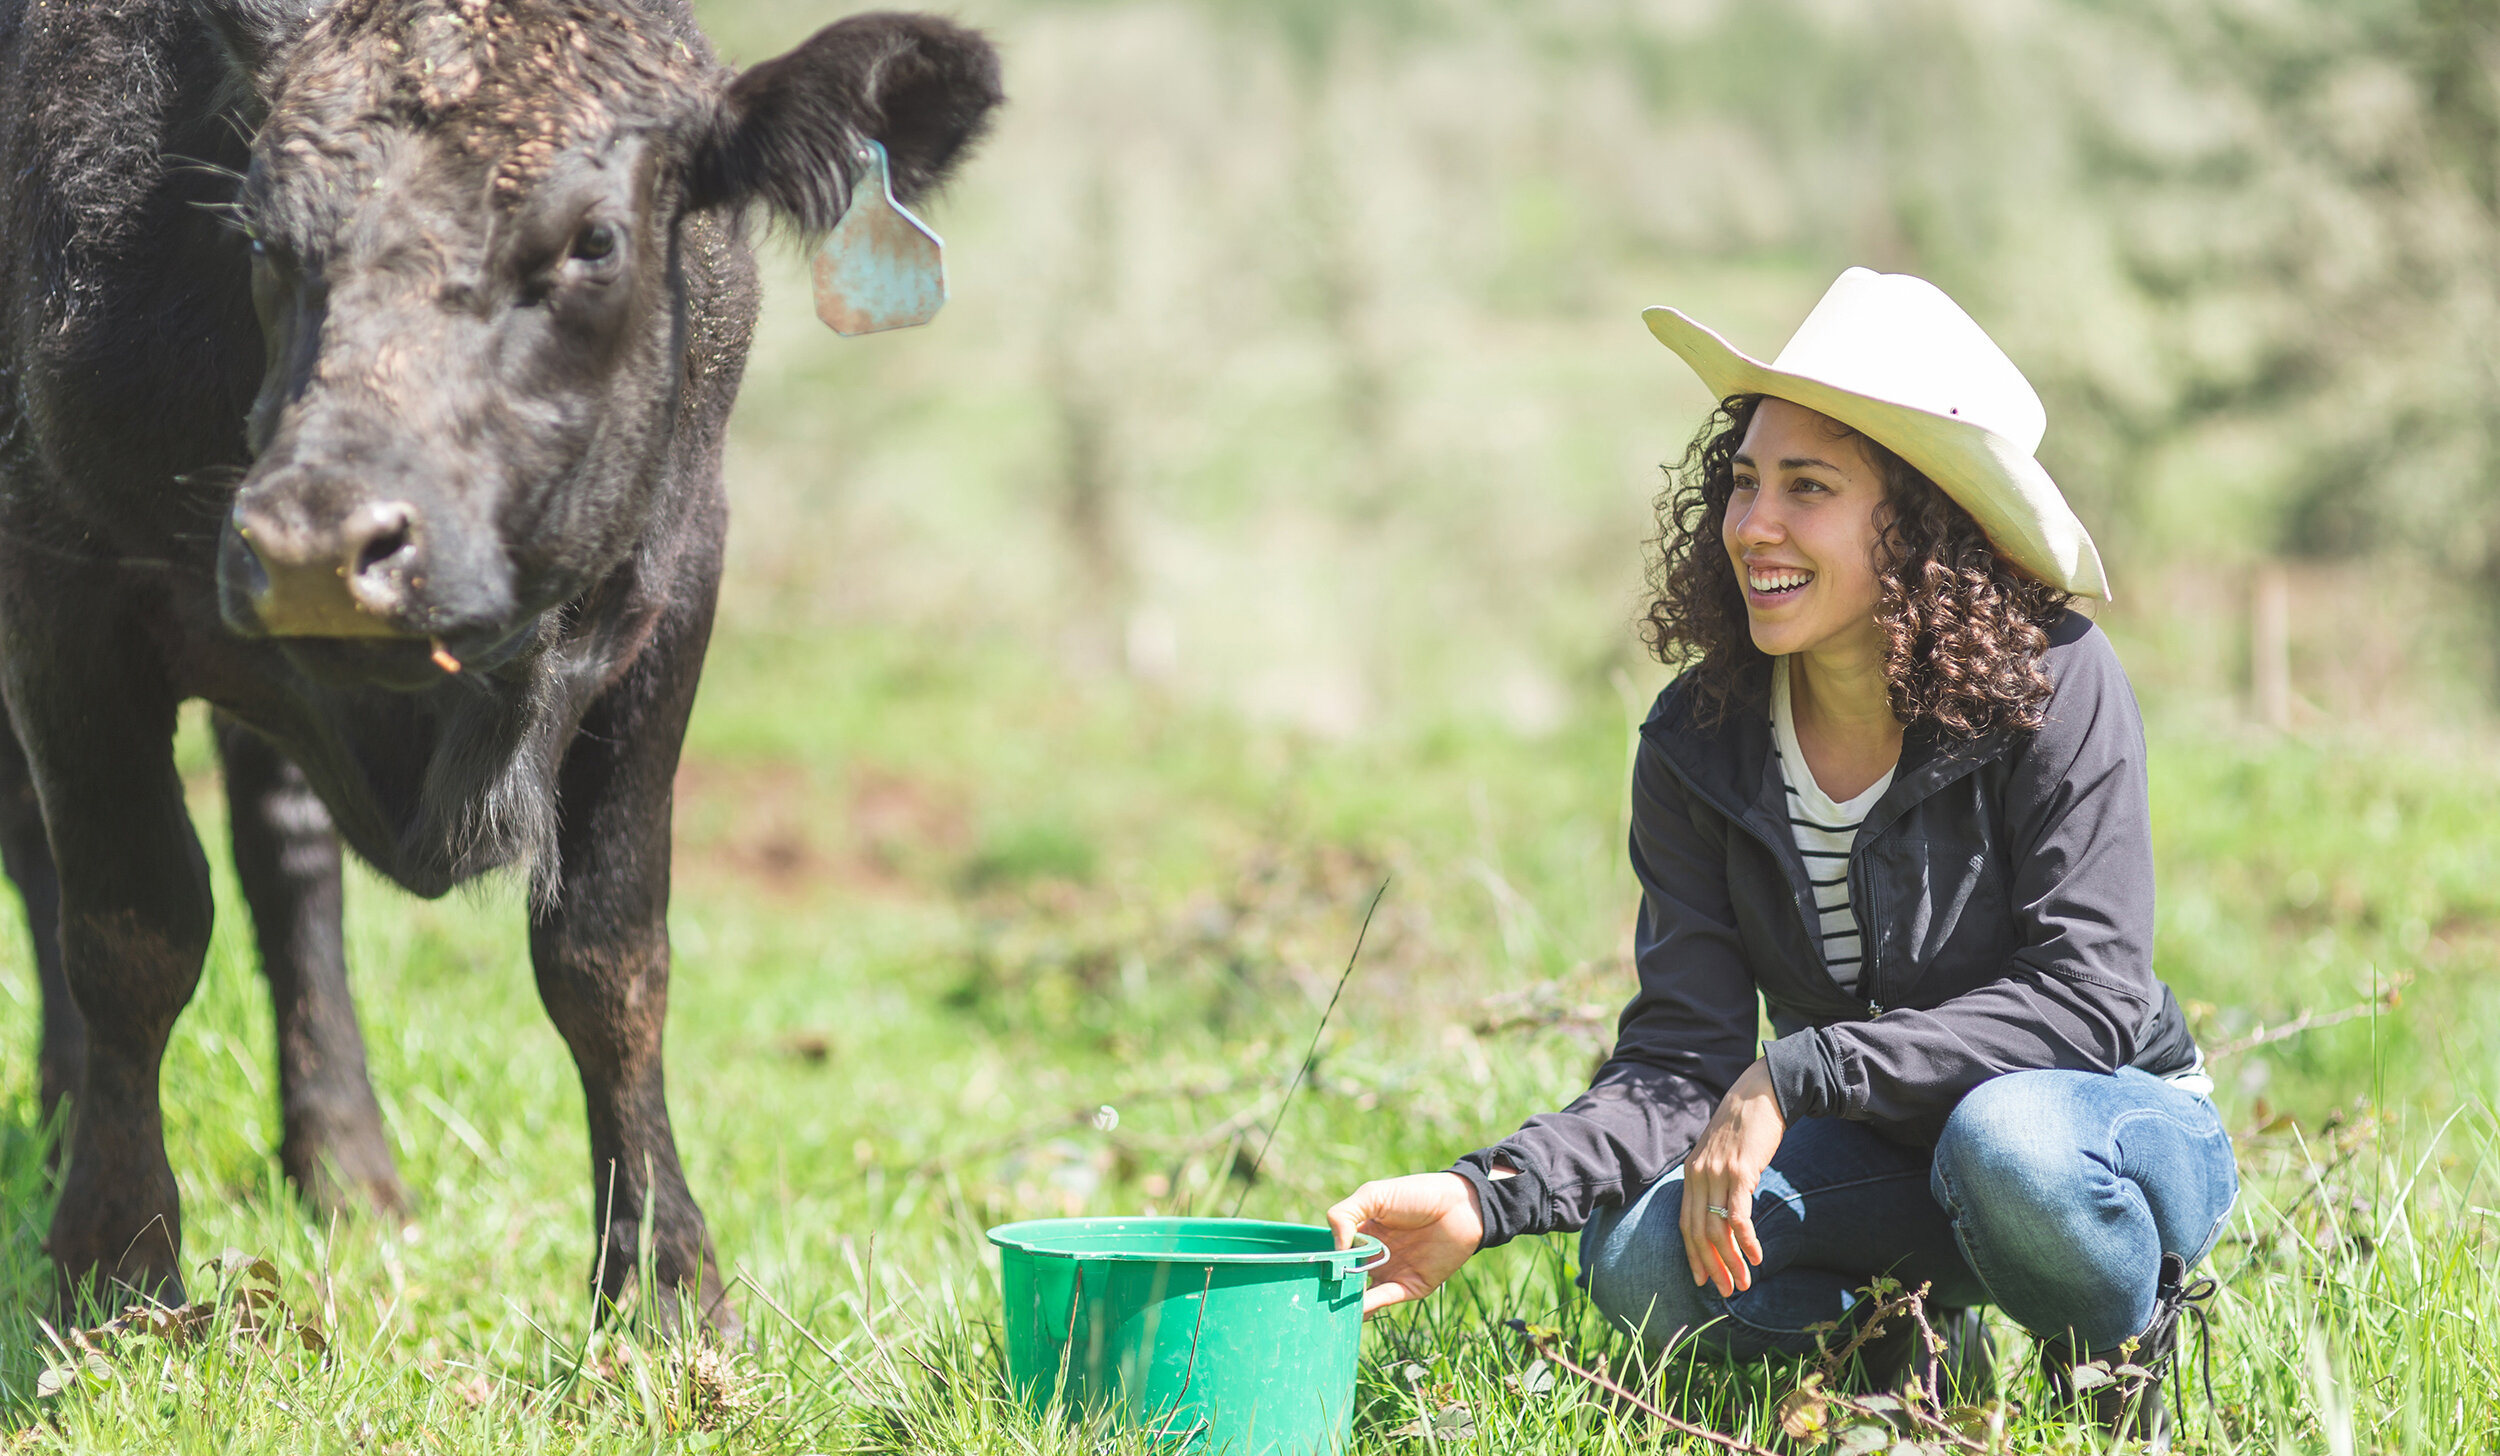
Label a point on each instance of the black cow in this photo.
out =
(367, 365)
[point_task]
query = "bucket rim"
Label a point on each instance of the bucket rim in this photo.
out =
(1016, 1236)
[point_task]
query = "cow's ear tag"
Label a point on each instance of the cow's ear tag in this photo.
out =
(881, 268)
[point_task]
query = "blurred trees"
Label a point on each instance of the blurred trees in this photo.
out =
(1308, 328)
(2308, 217)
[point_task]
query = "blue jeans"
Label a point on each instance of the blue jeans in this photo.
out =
(2051, 1195)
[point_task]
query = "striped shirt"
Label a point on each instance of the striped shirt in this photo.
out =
(1824, 829)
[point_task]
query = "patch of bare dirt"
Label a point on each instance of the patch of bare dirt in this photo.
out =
(777, 826)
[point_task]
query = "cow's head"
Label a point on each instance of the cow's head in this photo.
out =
(470, 254)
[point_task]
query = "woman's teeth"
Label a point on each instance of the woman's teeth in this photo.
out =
(1778, 581)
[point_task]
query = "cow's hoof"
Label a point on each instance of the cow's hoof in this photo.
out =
(336, 1156)
(719, 1318)
(88, 1294)
(116, 1235)
(346, 1186)
(326, 1194)
(703, 1311)
(674, 1306)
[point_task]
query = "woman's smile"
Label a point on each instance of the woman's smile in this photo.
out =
(1802, 522)
(1770, 587)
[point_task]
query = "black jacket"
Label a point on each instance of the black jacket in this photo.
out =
(2003, 888)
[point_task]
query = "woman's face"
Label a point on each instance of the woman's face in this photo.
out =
(1801, 529)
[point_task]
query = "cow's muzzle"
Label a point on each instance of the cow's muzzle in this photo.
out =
(360, 575)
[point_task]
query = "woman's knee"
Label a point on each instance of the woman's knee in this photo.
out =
(1632, 1262)
(2062, 1237)
(2013, 1146)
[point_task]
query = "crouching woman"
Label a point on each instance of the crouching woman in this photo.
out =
(1896, 798)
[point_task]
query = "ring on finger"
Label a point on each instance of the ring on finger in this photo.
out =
(1717, 1212)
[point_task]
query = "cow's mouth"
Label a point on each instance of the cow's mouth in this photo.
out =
(409, 664)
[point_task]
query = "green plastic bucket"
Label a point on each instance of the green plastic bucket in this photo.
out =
(1223, 1336)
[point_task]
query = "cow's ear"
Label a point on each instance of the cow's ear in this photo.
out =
(786, 132)
(257, 34)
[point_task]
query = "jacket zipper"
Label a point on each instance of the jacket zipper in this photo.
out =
(1858, 908)
(1807, 919)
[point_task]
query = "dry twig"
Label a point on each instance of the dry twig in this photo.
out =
(2307, 1021)
(1543, 1342)
(1589, 1016)
(1919, 1403)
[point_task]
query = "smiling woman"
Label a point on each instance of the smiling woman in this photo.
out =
(1961, 628)
(1896, 799)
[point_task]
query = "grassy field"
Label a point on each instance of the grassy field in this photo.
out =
(937, 905)
(1293, 377)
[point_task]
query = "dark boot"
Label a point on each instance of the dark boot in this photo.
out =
(2122, 1386)
(1891, 1351)
(1970, 1356)
(1967, 1368)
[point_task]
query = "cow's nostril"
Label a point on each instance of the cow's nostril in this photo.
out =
(381, 548)
(379, 535)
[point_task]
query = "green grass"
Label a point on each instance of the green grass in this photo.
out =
(937, 903)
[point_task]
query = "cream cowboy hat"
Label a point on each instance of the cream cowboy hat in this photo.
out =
(1889, 355)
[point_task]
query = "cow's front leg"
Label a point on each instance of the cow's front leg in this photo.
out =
(97, 724)
(61, 1060)
(286, 855)
(599, 943)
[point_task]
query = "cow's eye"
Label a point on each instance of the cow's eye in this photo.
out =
(595, 243)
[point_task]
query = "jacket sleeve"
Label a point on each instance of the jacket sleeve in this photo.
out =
(2079, 987)
(1683, 1041)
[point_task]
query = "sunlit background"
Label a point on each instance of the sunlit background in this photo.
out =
(1295, 361)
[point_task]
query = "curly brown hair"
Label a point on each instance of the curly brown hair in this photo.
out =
(1964, 627)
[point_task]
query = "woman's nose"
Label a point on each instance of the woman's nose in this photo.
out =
(1754, 522)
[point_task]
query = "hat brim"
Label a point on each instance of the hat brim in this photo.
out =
(2017, 505)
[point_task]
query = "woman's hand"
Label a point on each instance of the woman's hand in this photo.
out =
(1720, 1176)
(1430, 1223)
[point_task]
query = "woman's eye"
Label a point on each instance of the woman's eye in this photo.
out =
(1746, 482)
(595, 243)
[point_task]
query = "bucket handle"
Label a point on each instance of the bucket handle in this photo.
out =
(1380, 1257)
